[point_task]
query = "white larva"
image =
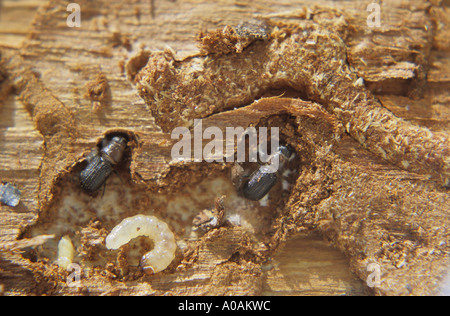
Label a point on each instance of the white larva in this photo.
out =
(163, 252)
(65, 252)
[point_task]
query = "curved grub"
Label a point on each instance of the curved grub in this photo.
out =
(141, 225)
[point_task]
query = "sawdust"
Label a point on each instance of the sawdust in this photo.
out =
(397, 220)
(306, 56)
(99, 92)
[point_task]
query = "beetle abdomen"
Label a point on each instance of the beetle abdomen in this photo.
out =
(95, 174)
(263, 179)
(259, 185)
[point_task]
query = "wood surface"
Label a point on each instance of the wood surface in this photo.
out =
(62, 89)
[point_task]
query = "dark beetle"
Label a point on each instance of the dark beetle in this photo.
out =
(262, 180)
(100, 164)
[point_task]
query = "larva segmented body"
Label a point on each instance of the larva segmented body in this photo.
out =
(163, 252)
(65, 252)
